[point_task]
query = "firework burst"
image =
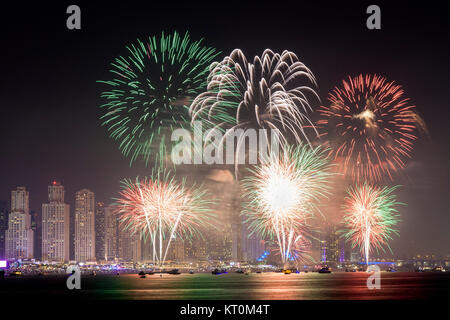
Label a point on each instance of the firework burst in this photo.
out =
(370, 217)
(371, 127)
(273, 92)
(160, 208)
(150, 90)
(283, 194)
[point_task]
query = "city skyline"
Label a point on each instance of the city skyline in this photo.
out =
(118, 244)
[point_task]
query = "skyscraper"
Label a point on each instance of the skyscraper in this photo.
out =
(130, 245)
(55, 225)
(111, 236)
(3, 227)
(332, 245)
(100, 231)
(36, 226)
(176, 251)
(252, 246)
(221, 243)
(84, 226)
(19, 236)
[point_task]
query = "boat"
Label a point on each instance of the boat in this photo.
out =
(324, 270)
(258, 271)
(286, 271)
(438, 269)
(174, 271)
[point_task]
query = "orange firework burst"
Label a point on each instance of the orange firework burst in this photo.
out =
(371, 127)
(159, 207)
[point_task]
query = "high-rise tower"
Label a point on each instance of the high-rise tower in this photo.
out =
(111, 235)
(84, 226)
(19, 236)
(55, 225)
(100, 231)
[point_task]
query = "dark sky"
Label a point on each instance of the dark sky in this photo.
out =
(49, 97)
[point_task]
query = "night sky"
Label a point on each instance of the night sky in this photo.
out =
(50, 101)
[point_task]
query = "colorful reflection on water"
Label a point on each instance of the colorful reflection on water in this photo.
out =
(267, 286)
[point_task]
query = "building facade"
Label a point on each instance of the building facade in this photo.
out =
(100, 238)
(55, 225)
(36, 226)
(19, 236)
(111, 235)
(4, 216)
(130, 245)
(84, 226)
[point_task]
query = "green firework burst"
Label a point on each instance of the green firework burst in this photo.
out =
(370, 217)
(150, 92)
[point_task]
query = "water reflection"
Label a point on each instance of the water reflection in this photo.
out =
(272, 286)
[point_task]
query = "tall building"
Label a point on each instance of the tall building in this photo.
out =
(36, 226)
(111, 235)
(100, 231)
(55, 225)
(252, 246)
(130, 245)
(84, 226)
(176, 250)
(19, 236)
(4, 213)
(332, 245)
(222, 241)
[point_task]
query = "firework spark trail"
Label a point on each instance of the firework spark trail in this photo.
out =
(371, 127)
(151, 89)
(272, 92)
(159, 207)
(370, 217)
(283, 194)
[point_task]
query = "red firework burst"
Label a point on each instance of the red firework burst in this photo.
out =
(371, 127)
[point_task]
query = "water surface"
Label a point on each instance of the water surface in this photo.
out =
(232, 286)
